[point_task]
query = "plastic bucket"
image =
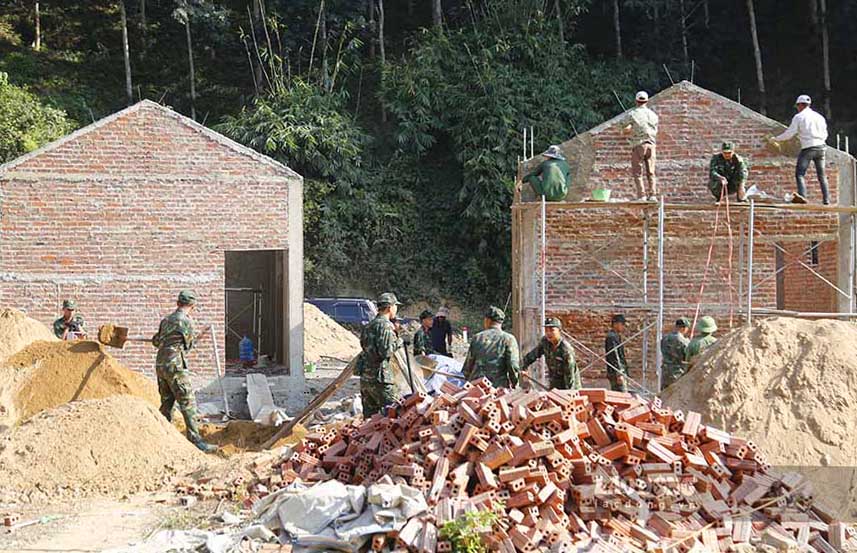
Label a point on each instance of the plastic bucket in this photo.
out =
(601, 195)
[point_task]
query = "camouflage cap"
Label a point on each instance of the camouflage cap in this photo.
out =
(387, 298)
(553, 322)
(187, 297)
(69, 304)
(707, 325)
(682, 322)
(495, 314)
(727, 146)
(426, 314)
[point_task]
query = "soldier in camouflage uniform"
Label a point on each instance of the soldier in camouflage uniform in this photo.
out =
(730, 170)
(617, 367)
(174, 339)
(559, 356)
(552, 177)
(379, 342)
(493, 353)
(422, 338)
(70, 325)
(707, 327)
(673, 350)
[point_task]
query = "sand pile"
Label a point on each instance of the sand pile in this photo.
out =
(324, 336)
(47, 374)
(17, 331)
(111, 446)
(790, 385)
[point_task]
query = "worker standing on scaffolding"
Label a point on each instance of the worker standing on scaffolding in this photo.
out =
(727, 169)
(617, 367)
(552, 177)
(643, 129)
(811, 128)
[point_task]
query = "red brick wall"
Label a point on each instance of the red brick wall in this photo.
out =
(126, 215)
(803, 290)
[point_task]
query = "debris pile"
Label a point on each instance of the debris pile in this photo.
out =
(324, 337)
(17, 331)
(593, 468)
(110, 446)
(48, 374)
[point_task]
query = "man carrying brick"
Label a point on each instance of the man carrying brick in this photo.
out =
(174, 339)
(493, 353)
(643, 129)
(707, 327)
(559, 357)
(727, 170)
(673, 351)
(552, 177)
(70, 325)
(422, 338)
(379, 343)
(617, 367)
(811, 128)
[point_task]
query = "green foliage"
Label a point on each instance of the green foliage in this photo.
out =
(26, 123)
(467, 532)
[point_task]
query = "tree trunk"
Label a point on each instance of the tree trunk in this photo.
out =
(37, 43)
(126, 52)
(258, 21)
(825, 56)
(436, 13)
(558, 10)
(617, 28)
(813, 11)
(706, 13)
(382, 50)
(757, 54)
(370, 4)
(657, 23)
(325, 78)
(684, 49)
(190, 68)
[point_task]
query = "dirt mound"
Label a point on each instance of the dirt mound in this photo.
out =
(324, 336)
(787, 384)
(110, 446)
(17, 331)
(47, 374)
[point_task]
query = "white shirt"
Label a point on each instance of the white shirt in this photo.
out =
(810, 127)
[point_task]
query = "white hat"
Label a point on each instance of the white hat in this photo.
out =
(443, 312)
(642, 96)
(803, 99)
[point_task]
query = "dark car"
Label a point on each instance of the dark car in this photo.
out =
(347, 311)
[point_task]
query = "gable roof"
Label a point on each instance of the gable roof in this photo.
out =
(165, 111)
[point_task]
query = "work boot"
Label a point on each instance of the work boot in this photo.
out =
(202, 445)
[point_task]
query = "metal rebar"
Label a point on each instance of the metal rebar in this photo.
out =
(659, 329)
(750, 233)
(544, 272)
(645, 364)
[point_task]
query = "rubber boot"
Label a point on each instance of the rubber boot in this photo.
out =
(193, 436)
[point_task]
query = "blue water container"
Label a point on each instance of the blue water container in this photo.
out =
(245, 349)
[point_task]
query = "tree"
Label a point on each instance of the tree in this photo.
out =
(126, 53)
(617, 29)
(26, 123)
(37, 43)
(757, 55)
(825, 56)
(205, 12)
(436, 13)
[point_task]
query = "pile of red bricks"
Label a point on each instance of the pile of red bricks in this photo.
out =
(564, 468)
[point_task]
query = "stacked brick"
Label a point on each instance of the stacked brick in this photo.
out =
(567, 468)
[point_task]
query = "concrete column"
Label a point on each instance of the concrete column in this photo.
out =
(293, 335)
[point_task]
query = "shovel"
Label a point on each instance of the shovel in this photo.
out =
(116, 336)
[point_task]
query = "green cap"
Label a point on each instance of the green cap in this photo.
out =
(387, 298)
(426, 314)
(683, 322)
(553, 322)
(187, 297)
(618, 319)
(727, 147)
(495, 314)
(707, 325)
(69, 304)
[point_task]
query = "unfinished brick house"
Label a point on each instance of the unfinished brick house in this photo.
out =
(124, 213)
(603, 258)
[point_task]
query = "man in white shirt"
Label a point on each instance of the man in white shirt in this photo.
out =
(811, 129)
(643, 129)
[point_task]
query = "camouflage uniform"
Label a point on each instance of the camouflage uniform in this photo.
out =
(697, 345)
(379, 343)
(494, 354)
(617, 367)
(673, 350)
(562, 368)
(550, 178)
(735, 171)
(422, 342)
(75, 324)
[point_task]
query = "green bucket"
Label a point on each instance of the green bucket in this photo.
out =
(601, 195)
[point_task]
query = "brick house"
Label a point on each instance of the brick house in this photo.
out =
(124, 213)
(603, 258)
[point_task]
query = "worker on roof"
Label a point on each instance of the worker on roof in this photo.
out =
(174, 340)
(493, 353)
(563, 373)
(811, 128)
(673, 352)
(552, 177)
(707, 327)
(379, 343)
(70, 325)
(422, 338)
(727, 173)
(614, 349)
(643, 130)
(441, 333)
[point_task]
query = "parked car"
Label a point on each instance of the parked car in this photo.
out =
(347, 311)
